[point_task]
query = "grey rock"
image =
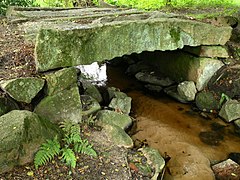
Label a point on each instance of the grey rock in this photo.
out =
(117, 135)
(91, 90)
(140, 66)
(208, 51)
(205, 101)
(237, 123)
(111, 117)
(6, 105)
(22, 133)
(98, 41)
(172, 91)
(151, 78)
(187, 90)
(154, 88)
(227, 169)
(121, 104)
(22, 89)
(115, 93)
(230, 110)
(60, 80)
(64, 105)
(154, 159)
(89, 105)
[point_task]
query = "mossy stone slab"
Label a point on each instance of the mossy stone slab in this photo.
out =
(77, 44)
(23, 89)
(60, 80)
(64, 105)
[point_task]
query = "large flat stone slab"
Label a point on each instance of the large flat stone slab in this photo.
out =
(75, 43)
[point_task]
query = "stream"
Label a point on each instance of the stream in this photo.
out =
(175, 130)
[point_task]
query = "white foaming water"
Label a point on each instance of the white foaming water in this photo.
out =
(95, 73)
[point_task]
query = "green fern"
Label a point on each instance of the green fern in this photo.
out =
(85, 148)
(47, 152)
(71, 139)
(69, 157)
(71, 132)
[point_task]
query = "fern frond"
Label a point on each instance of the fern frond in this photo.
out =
(69, 157)
(72, 132)
(85, 148)
(47, 152)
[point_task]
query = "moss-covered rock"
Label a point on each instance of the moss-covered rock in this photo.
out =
(64, 105)
(89, 105)
(206, 101)
(91, 90)
(6, 105)
(60, 80)
(22, 133)
(23, 89)
(74, 44)
(112, 117)
(117, 135)
(230, 110)
(154, 159)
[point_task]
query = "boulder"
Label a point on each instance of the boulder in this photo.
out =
(208, 51)
(115, 93)
(237, 123)
(22, 89)
(187, 90)
(154, 88)
(89, 105)
(97, 41)
(227, 169)
(6, 105)
(60, 80)
(117, 135)
(22, 133)
(121, 104)
(64, 105)
(152, 78)
(205, 101)
(91, 90)
(230, 110)
(186, 66)
(119, 101)
(140, 66)
(154, 159)
(111, 117)
(172, 91)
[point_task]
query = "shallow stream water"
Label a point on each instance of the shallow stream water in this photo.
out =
(174, 129)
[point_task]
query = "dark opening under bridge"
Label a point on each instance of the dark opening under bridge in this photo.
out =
(70, 37)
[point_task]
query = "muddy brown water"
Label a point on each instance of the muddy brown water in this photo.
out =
(174, 128)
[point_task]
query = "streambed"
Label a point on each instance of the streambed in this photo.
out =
(192, 142)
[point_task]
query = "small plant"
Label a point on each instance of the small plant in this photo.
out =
(72, 143)
(223, 99)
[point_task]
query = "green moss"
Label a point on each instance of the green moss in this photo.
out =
(175, 34)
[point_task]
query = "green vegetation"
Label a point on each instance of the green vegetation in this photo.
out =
(5, 3)
(156, 4)
(71, 143)
(141, 4)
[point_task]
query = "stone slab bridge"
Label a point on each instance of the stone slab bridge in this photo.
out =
(70, 37)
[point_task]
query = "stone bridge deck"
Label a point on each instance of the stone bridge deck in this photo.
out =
(70, 37)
